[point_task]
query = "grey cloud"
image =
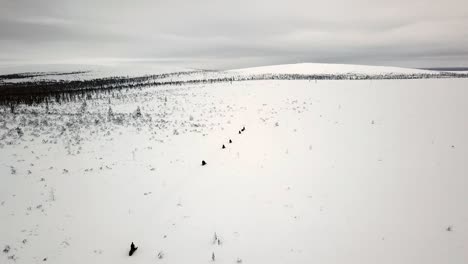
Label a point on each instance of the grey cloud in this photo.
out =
(238, 33)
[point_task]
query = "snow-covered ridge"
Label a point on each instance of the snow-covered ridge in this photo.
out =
(323, 68)
(285, 71)
(65, 72)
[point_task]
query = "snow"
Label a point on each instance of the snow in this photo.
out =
(323, 68)
(361, 172)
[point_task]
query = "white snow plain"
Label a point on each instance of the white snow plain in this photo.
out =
(370, 171)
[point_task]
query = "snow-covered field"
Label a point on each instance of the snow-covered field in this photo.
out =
(370, 171)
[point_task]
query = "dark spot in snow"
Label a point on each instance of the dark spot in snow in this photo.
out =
(6, 249)
(132, 249)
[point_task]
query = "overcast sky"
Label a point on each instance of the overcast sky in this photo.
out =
(236, 33)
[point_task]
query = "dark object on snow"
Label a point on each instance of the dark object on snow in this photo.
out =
(132, 249)
(230, 141)
(449, 229)
(213, 257)
(6, 249)
(243, 129)
(223, 147)
(203, 163)
(240, 132)
(20, 132)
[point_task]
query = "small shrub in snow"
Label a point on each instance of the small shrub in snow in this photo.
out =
(119, 120)
(47, 106)
(110, 114)
(6, 249)
(83, 107)
(52, 194)
(137, 112)
(19, 131)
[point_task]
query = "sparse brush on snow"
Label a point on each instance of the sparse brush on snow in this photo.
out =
(83, 108)
(52, 194)
(19, 131)
(137, 113)
(110, 114)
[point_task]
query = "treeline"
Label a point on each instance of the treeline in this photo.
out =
(35, 92)
(25, 75)
(65, 91)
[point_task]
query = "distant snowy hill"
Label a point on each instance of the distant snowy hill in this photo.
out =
(321, 68)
